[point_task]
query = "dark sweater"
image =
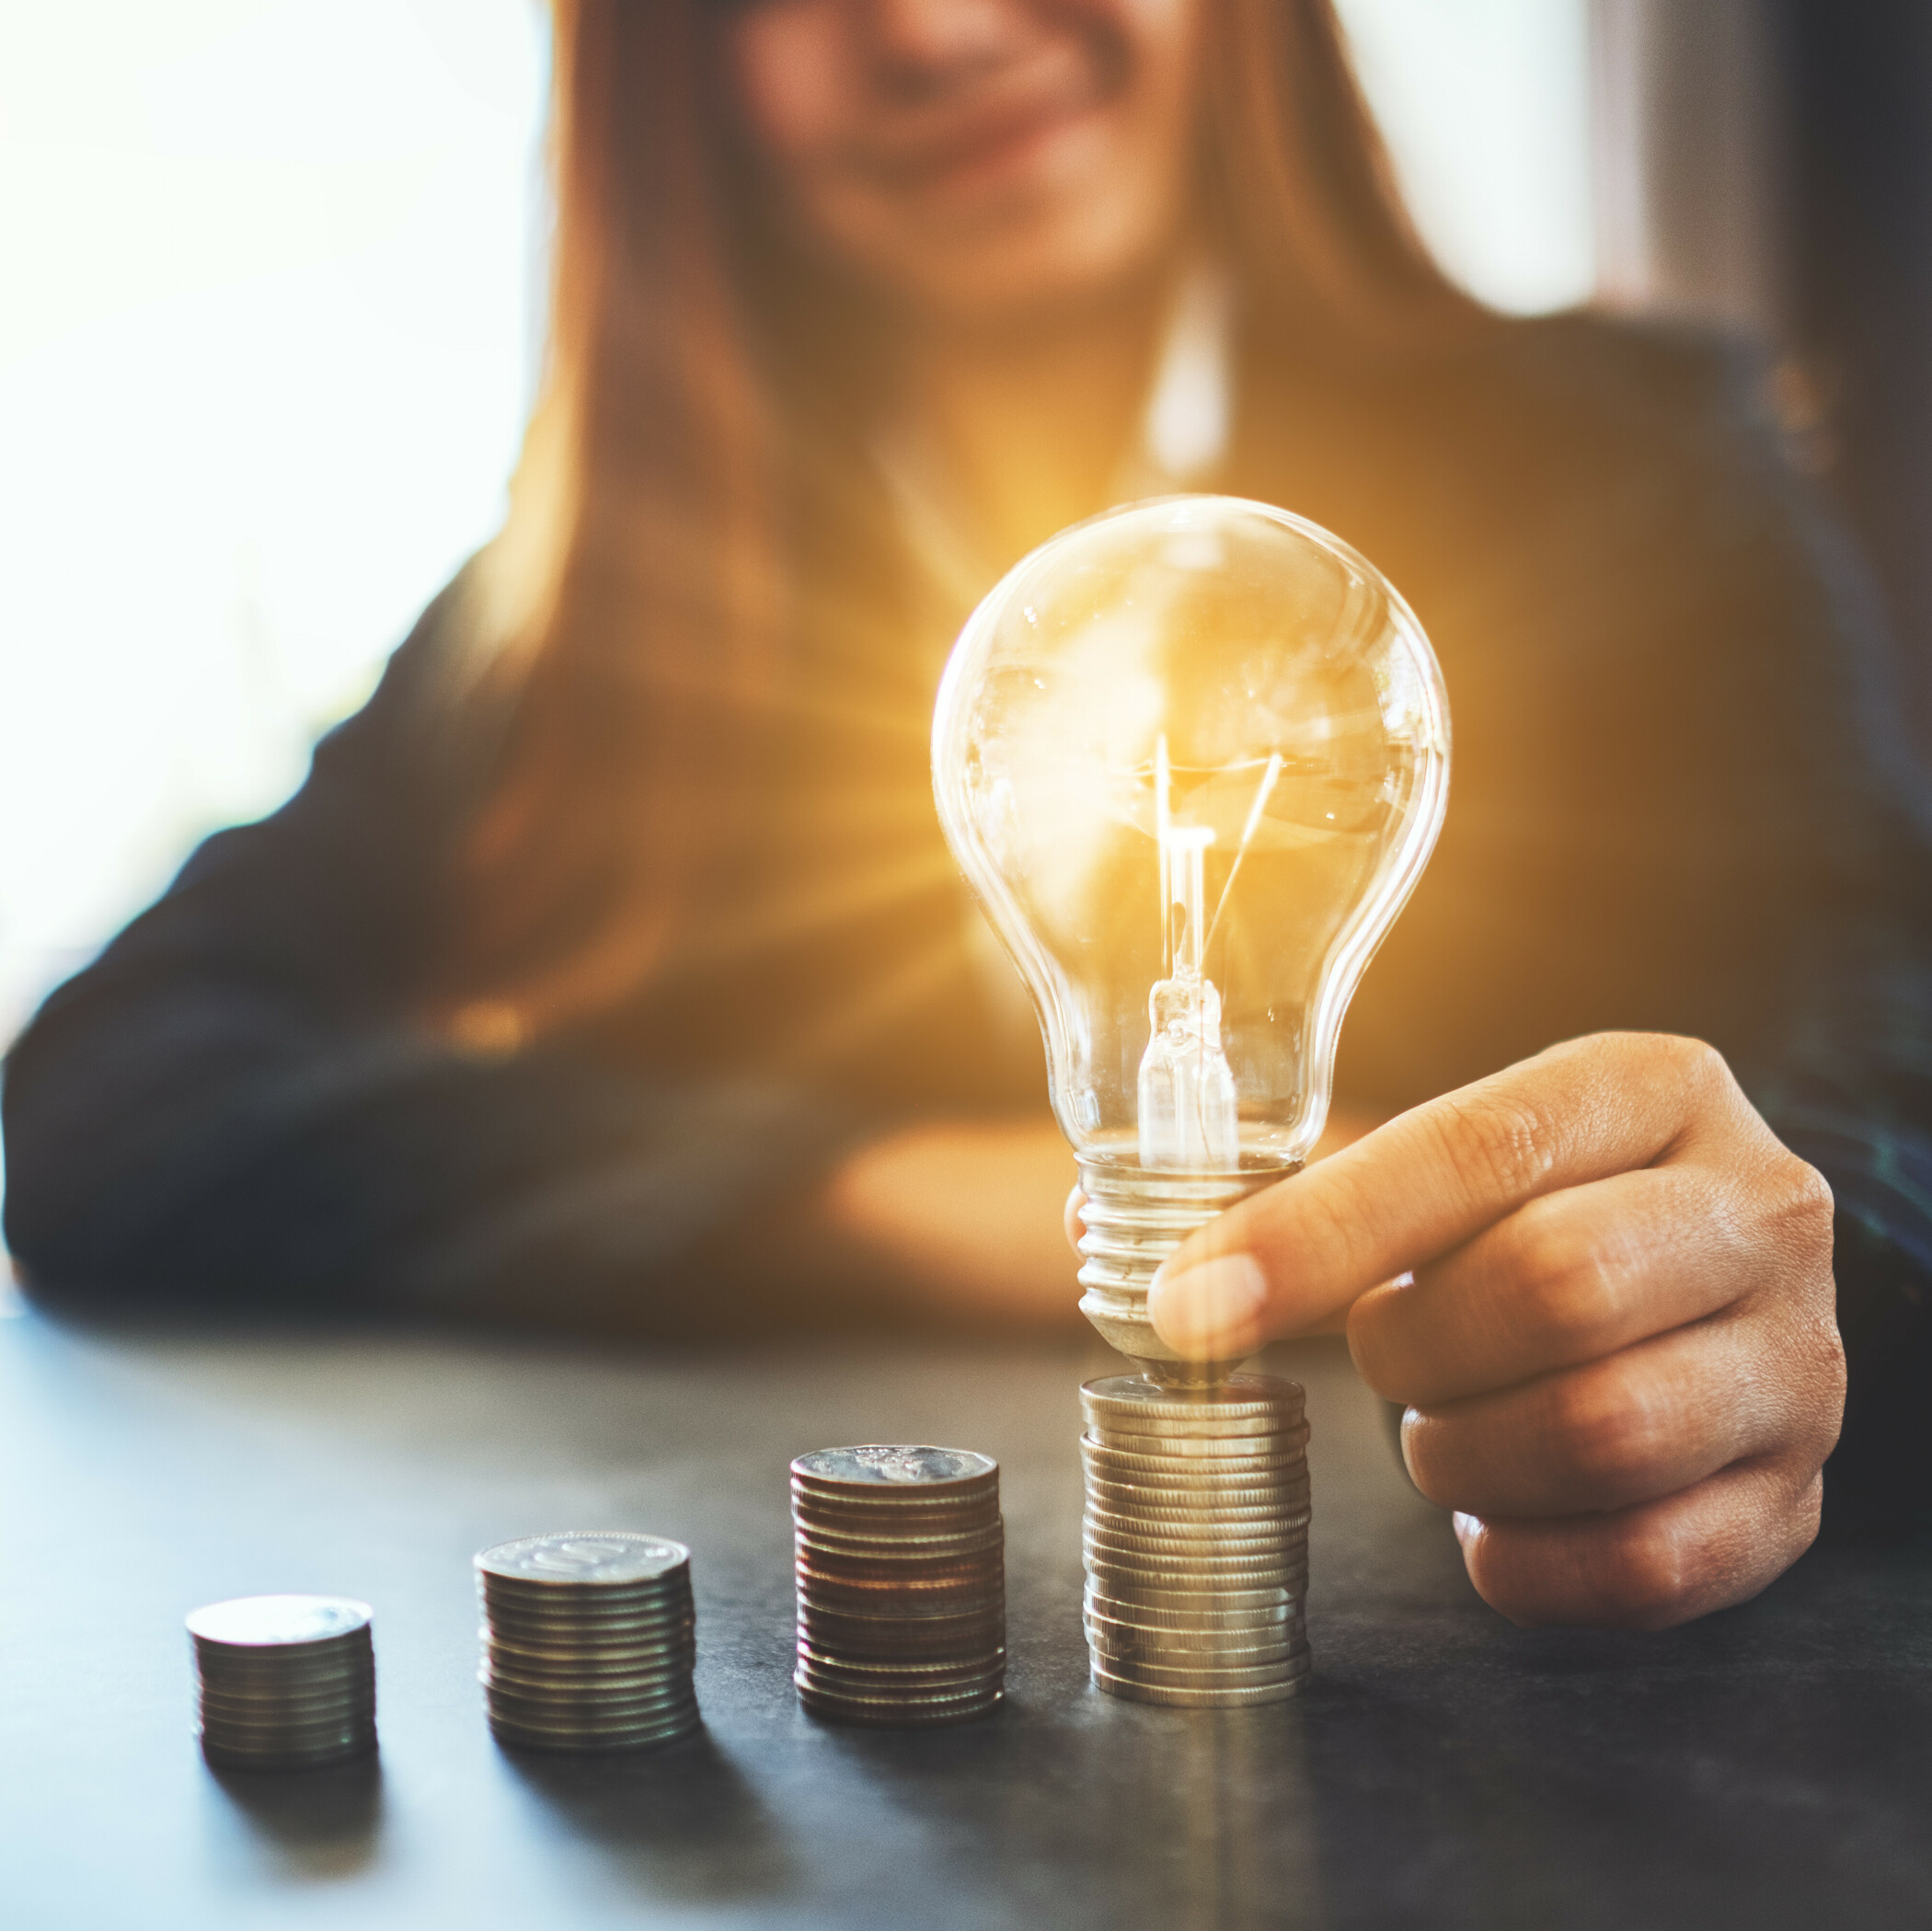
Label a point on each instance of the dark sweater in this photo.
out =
(1680, 801)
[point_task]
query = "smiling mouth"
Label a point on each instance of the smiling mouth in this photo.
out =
(982, 149)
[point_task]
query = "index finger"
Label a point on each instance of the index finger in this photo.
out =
(1429, 1179)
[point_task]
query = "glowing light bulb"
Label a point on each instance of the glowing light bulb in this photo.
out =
(1192, 756)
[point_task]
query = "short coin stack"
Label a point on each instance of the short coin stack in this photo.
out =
(901, 1564)
(1196, 1540)
(588, 1641)
(284, 1682)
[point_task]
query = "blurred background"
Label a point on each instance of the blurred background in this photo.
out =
(273, 302)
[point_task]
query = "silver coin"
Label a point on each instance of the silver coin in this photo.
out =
(1140, 1592)
(1105, 1502)
(264, 1622)
(1169, 1676)
(1241, 1624)
(852, 1680)
(1135, 1580)
(1225, 1647)
(1217, 1451)
(611, 1622)
(893, 1669)
(583, 1740)
(1125, 1466)
(566, 1665)
(895, 1466)
(1104, 1640)
(674, 1586)
(1134, 1401)
(315, 1703)
(933, 1706)
(568, 1713)
(1117, 1494)
(223, 1758)
(1170, 1475)
(1198, 1524)
(589, 1559)
(1145, 1568)
(1178, 1546)
(884, 1509)
(1135, 1691)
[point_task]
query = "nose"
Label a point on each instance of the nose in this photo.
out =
(932, 38)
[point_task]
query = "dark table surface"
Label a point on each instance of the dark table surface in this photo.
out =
(1771, 1767)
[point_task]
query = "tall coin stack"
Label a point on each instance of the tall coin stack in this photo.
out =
(284, 1682)
(588, 1638)
(900, 1565)
(1196, 1540)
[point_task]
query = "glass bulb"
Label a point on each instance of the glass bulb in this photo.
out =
(1192, 756)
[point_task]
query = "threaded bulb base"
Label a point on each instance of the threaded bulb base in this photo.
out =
(1135, 1218)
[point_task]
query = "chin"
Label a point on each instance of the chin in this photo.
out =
(1058, 263)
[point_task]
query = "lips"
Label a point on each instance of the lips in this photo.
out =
(971, 148)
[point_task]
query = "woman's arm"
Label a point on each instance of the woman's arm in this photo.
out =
(234, 1104)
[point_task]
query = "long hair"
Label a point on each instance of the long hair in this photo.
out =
(634, 610)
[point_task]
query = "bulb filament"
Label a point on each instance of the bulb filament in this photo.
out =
(1187, 1088)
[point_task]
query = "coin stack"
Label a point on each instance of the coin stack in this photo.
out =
(284, 1682)
(588, 1641)
(1196, 1540)
(901, 1564)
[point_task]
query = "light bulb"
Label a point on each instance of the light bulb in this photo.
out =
(1192, 756)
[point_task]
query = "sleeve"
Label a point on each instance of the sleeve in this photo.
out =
(232, 1105)
(1849, 1087)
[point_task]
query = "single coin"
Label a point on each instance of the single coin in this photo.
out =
(1135, 1691)
(666, 1592)
(1240, 1397)
(892, 1634)
(1224, 1524)
(1198, 1538)
(890, 1546)
(893, 1505)
(317, 1684)
(1118, 1460)
(942, 1707)
(1130, 1465)
(895, 1466)
(1173, 1677)
(610, 1712)
(1226, 1651)
(1139, 1592)
(854, 1680)
(1115, 1465)
(1104, 1640)
(1108, 1507)
(593, 1558)
(1211, 1494)
(540, 1683)
(1134, 1580)
(1216, 1450)
(1117, 1576)
(1233, 1627)
(588, 1740)
(592, 1663)
(814, 1574)
(305, 1702)
(567, 1612)
(225, 1758)
(1208, 1543)
(279, 1621)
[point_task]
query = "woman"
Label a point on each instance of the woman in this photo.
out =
(609, 966)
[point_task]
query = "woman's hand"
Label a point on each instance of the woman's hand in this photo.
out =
(1603, 1290)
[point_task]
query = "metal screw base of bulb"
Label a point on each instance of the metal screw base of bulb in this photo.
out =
(1135, 1218)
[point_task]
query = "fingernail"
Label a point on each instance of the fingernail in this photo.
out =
(1210, 1311)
